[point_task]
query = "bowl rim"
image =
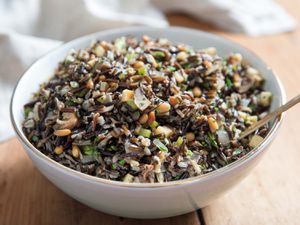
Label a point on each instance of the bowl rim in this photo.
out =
(200, 178)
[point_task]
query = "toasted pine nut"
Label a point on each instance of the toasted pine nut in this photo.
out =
(143, 119)
(190, 136)
(197, 92)
(213, 125)
(138, 64)
(62, 133)
(163, 107)
(75, 151)
(58, 150)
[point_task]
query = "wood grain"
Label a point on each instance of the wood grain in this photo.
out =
(28, 198)
(270, 195)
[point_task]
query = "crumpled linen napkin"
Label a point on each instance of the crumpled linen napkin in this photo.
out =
(30, 28)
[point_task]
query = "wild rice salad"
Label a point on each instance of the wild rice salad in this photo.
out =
(147, 110)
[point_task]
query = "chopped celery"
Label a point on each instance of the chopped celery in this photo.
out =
(160, 145)
(145, 132)
(142, 71)
(228, 82)
(154, 124)
(189, 153)
(179, 141)
(122, 76)
(158, 54)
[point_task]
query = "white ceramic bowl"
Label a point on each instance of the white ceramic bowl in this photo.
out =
(142, 200)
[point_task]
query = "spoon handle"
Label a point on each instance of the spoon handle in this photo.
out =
(270, 116)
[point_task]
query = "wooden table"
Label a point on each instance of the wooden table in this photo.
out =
(270, 195)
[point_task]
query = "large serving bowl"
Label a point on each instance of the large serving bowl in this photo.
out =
(134, 199)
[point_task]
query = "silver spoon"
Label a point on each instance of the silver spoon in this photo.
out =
(270, 116)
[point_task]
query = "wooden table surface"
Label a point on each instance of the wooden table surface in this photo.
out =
(269, 195)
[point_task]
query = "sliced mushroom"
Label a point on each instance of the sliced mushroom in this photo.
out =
(69, 121)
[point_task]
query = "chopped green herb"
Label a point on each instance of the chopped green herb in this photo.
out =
(236, 152)
(112, 148)
(122, 162)
(205, 85)
(70, 103)
(97, 139)
(234, 68)
(183, 87)
(228, 82)
(136, 115)
(114, 166)
(212, 140)
(35, 138)
(81, 93)
(177, 177)
(130, 57)
(89, 150)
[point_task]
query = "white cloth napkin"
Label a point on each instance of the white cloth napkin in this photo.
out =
(30, 28)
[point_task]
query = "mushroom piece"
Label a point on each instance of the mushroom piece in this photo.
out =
(69, 121)
(246, 84)
(140, 99)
